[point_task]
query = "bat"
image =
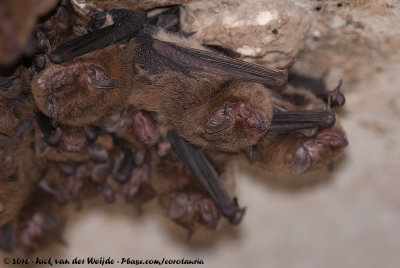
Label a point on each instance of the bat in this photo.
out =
(66, 24)
(299, 151)
(19, 172)
(207, 176)
(39, 225)
(69, 93)
(184, 200)
(16, 104)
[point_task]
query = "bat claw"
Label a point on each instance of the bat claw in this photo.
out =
(237, 216)
(43, 184)
(336, 96)
(291, 63)
(234, 214)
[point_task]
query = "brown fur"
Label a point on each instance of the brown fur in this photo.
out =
(16, 104)
(77, 104)
(280, 153)
(185, 104)
(20, 170)
(62, 27)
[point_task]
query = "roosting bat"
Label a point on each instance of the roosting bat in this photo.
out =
(298, 150)
(70, 93)
(120, 108)
(19, 172)
(16, 103)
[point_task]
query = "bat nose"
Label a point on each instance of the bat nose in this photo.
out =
(332, 138)
(258, 121)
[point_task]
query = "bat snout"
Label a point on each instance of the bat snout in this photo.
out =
(322, 149)
(258, 121)
(63, 77)
(333, 138)
(250, 117)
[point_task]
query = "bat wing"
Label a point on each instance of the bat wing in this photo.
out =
(121, 31)
(215, 63)
(207, 176)
(284, 122)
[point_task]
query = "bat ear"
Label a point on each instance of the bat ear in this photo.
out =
(98, 78)
(301, 161)
(220, 120)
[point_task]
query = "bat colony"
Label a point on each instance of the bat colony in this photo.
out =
(124, 104)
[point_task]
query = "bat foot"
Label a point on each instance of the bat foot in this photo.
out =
(108, 193)
(238, 215)
(291, 63)
(132, 187)
(336, 96)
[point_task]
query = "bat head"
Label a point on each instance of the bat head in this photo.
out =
(239, 117)
(193, 211)
(318, 151)
(83, 90)
(297, 153)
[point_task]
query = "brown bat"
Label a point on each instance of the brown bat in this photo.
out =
(70, 93)
(38, 225)
(184, 200)
(20, 171)
(206, 175)
(16, 104)
(108, 165)
(66, 24)
(20, 168)
(298, 150)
